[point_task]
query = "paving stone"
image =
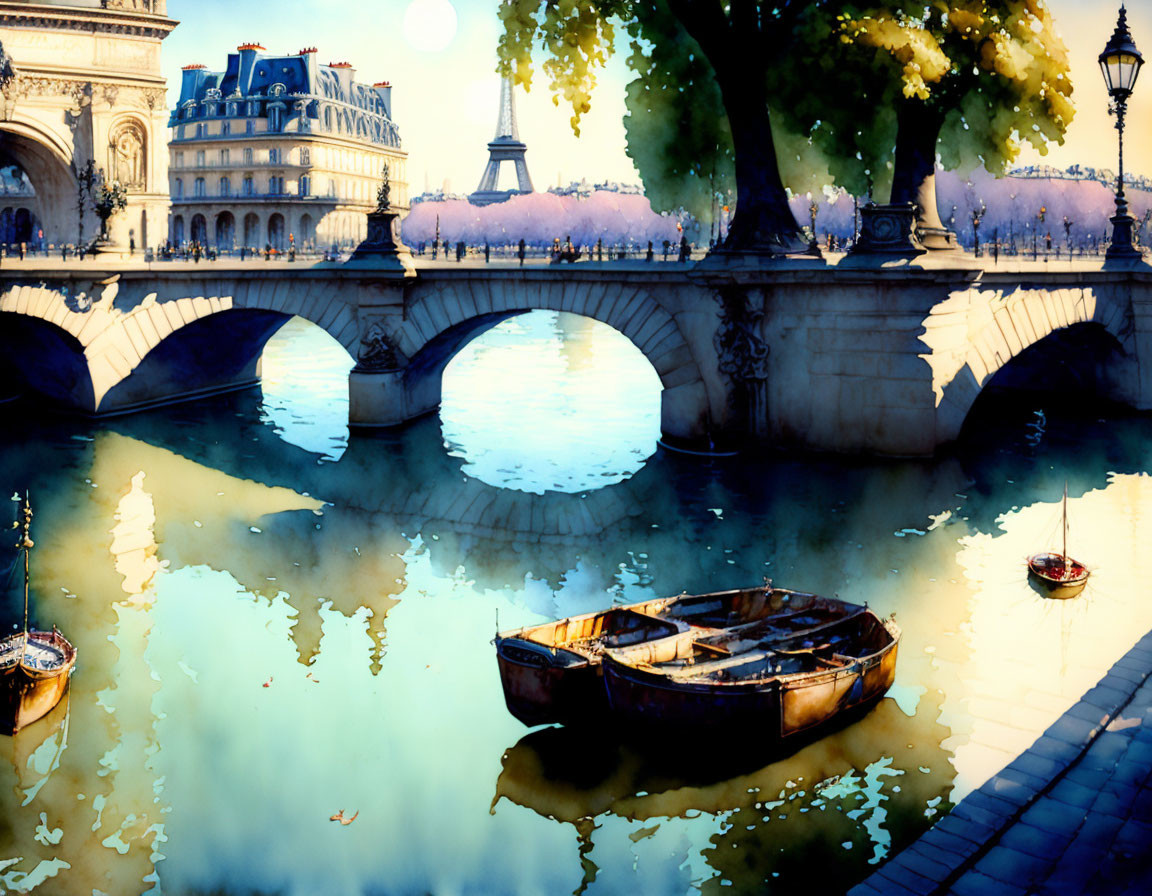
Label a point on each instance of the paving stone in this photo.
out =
(1094, 778)
(1097, 833)
(1108, 698)
(1035, 842)
(906, 880)
(947, 841)
(1052, 748)
(1114, 804)
(1001, 809)
(916, 858)
(1072, 730)
(967, 828)
(1003, 863)
(1089, 712)
(977, 884)
(1058, 819)
(1039, 767)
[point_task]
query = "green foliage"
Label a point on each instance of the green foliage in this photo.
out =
(834, 74)
(577, 35)
(995, 70)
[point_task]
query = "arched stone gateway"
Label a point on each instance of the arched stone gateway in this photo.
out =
(88, 89)
(48, 168)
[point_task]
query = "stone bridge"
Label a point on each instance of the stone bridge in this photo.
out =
(798, 354)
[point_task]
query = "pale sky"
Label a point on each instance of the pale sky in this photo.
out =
(445, 100)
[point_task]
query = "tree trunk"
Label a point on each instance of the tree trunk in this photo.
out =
(914, 178)
(730, 34)
(763, 221)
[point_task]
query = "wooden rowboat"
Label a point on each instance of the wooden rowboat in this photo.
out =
(34, 666)
(551, 672)
(762, 680)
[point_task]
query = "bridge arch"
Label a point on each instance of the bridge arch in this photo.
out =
(1018, 327)
(443, 319)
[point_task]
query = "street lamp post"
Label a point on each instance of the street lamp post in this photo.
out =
(977, 215)
(1120, 63)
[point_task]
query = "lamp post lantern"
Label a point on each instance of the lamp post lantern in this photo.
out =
(1120, 63)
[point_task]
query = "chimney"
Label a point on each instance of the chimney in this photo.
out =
(344, 74)
(383, 89)
(308, 54)
(247, 63)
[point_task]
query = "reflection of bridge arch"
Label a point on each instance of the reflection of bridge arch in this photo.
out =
(48, 164)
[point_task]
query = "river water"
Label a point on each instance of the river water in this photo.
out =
(277, 623)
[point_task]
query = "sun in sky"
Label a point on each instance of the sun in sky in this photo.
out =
(429, 25)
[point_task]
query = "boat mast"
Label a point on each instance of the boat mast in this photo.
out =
(24, 544)
(1064, 546)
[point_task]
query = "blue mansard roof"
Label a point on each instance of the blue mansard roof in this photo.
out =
(315, 97)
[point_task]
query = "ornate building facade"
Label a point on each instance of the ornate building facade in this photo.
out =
(88, 87)
(278, 151)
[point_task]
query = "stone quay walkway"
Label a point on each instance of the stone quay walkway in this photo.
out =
(1070, 815)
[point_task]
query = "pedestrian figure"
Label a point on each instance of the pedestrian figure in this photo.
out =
(520, 251)
(600, 249)
(685, 252)
(485, 251)
(23, 248)
(651, 255)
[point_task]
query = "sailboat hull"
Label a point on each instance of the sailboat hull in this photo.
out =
(1057, 576)
(30, 689)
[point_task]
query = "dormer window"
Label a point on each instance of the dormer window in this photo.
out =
(233, 109)
(275, 117)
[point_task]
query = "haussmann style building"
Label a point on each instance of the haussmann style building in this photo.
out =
(280, 151)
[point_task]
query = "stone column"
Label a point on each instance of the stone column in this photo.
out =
(377, 391)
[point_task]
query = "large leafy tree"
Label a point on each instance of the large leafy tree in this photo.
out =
(969, 80)
(732, 37)
(855, 94)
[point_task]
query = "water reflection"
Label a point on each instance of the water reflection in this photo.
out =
(526, 404)
(269, 633)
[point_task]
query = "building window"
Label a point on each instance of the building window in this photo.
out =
(305, 185)
(250, 127)
(274, 156)
(199, 187)
(179, 160)
(199, 158)
(200, 129)
(248, 155)
(225, 128)
(275, 185)
(178, 188)
(223, 157)
(225, 187)
(275, 118)
(305, 156)
(233, 109)
(248, 185)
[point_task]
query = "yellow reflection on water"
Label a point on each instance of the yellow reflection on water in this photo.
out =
(1028, 658)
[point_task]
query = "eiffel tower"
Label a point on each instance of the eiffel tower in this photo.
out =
(505, 147)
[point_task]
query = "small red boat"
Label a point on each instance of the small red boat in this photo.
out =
(1055, 574)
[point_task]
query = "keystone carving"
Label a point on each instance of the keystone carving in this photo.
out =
(378, 353)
